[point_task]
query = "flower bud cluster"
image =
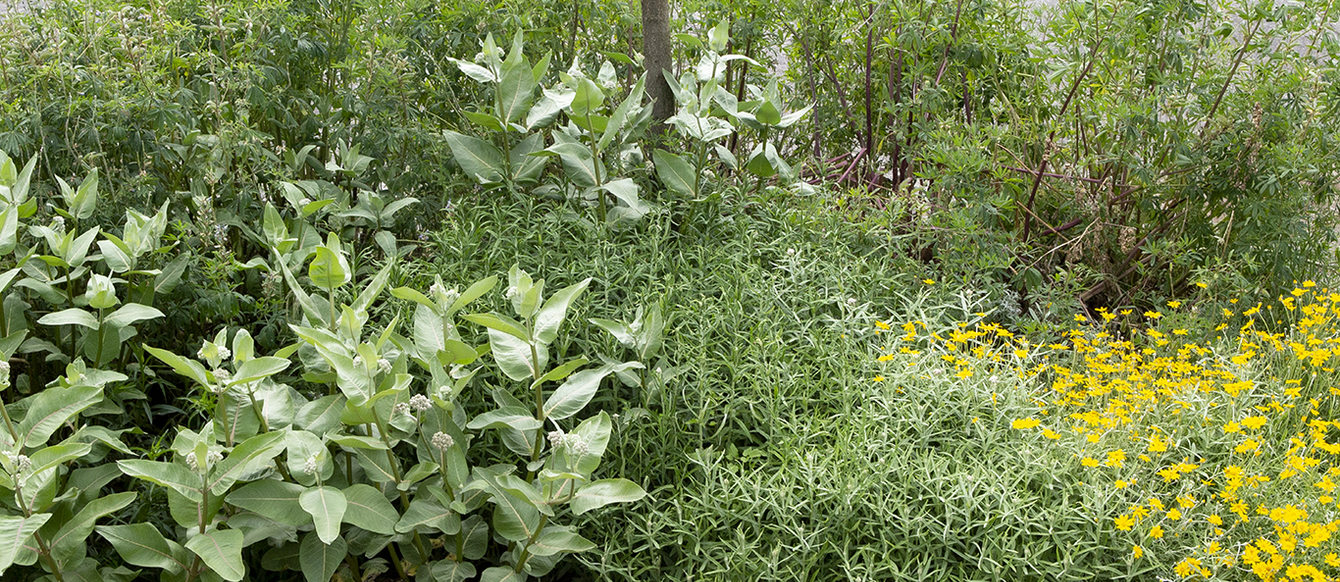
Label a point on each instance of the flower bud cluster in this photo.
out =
(443, 440)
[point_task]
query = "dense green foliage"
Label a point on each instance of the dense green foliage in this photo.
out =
(253, 254)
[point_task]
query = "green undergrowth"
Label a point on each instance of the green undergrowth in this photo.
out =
(768, 451)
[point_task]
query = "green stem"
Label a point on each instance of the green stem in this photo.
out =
(525, 552)
(395, 472)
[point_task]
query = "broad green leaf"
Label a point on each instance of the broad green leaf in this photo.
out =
(322, 415)
(555, 310)
(415, 296)
(620, 118)
(428, 513)
(177, 477)
(320, 560)
(527, 168)
(507, 417)
(85, 198)
(718, 36)
(502, 574)
(58, 454)
(15, 532)
(369, 509)
(327, 506)
(560, 372)
(330, 268)
(514, 356)
(131, 313)
(372, 289)
(498, 322)
(277, 500)
(574, 394)
(588, 100)
(257, 368)
(556, 539)
(71, 316)
(68, 542)
(52, 408)
(247, 461)
(600, 493)
(485, 120)
(578, 163)
(625, 189)
(114, 254)
(514, 517)
(546, 110)
(618, 329)
(474, 71)
(221, 550)
(675, 173)
(452, 571)
(516, 89)
(141, 544)
(189, 368)
(477, 158)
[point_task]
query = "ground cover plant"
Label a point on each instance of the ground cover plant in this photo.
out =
(909, 290)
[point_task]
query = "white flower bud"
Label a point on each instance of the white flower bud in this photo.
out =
(191, 462)
(443, 440)
(576, 444)
(214, 458)
(310, 465)
(223, 375)
(420, 403)
(555, 438)
(383, 365)
(358, 360)
(22, 464)
(400, 408)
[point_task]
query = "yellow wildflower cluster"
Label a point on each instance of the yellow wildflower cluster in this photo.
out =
(1225, 451)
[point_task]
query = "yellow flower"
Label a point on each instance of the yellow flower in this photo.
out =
(1187, 566)
(1089, 462)
(1025, 423)
(1174, 514)
(1157, 445)
(1215, 519)
(1333, 560)
(1122, 483)
(1254, 422)
(878, 379)
(1051, 434)
(1137, 552)
(928, 281)
(1153, 314)
(1124, 522)
(1156, 532)
(1174, 304)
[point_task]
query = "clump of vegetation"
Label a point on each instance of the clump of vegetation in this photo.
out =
(1211, 441)
(271, 301)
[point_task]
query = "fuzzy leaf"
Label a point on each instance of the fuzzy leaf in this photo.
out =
(221, 550)
(327, 506)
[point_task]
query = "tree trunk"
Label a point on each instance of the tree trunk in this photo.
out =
(656, 57)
